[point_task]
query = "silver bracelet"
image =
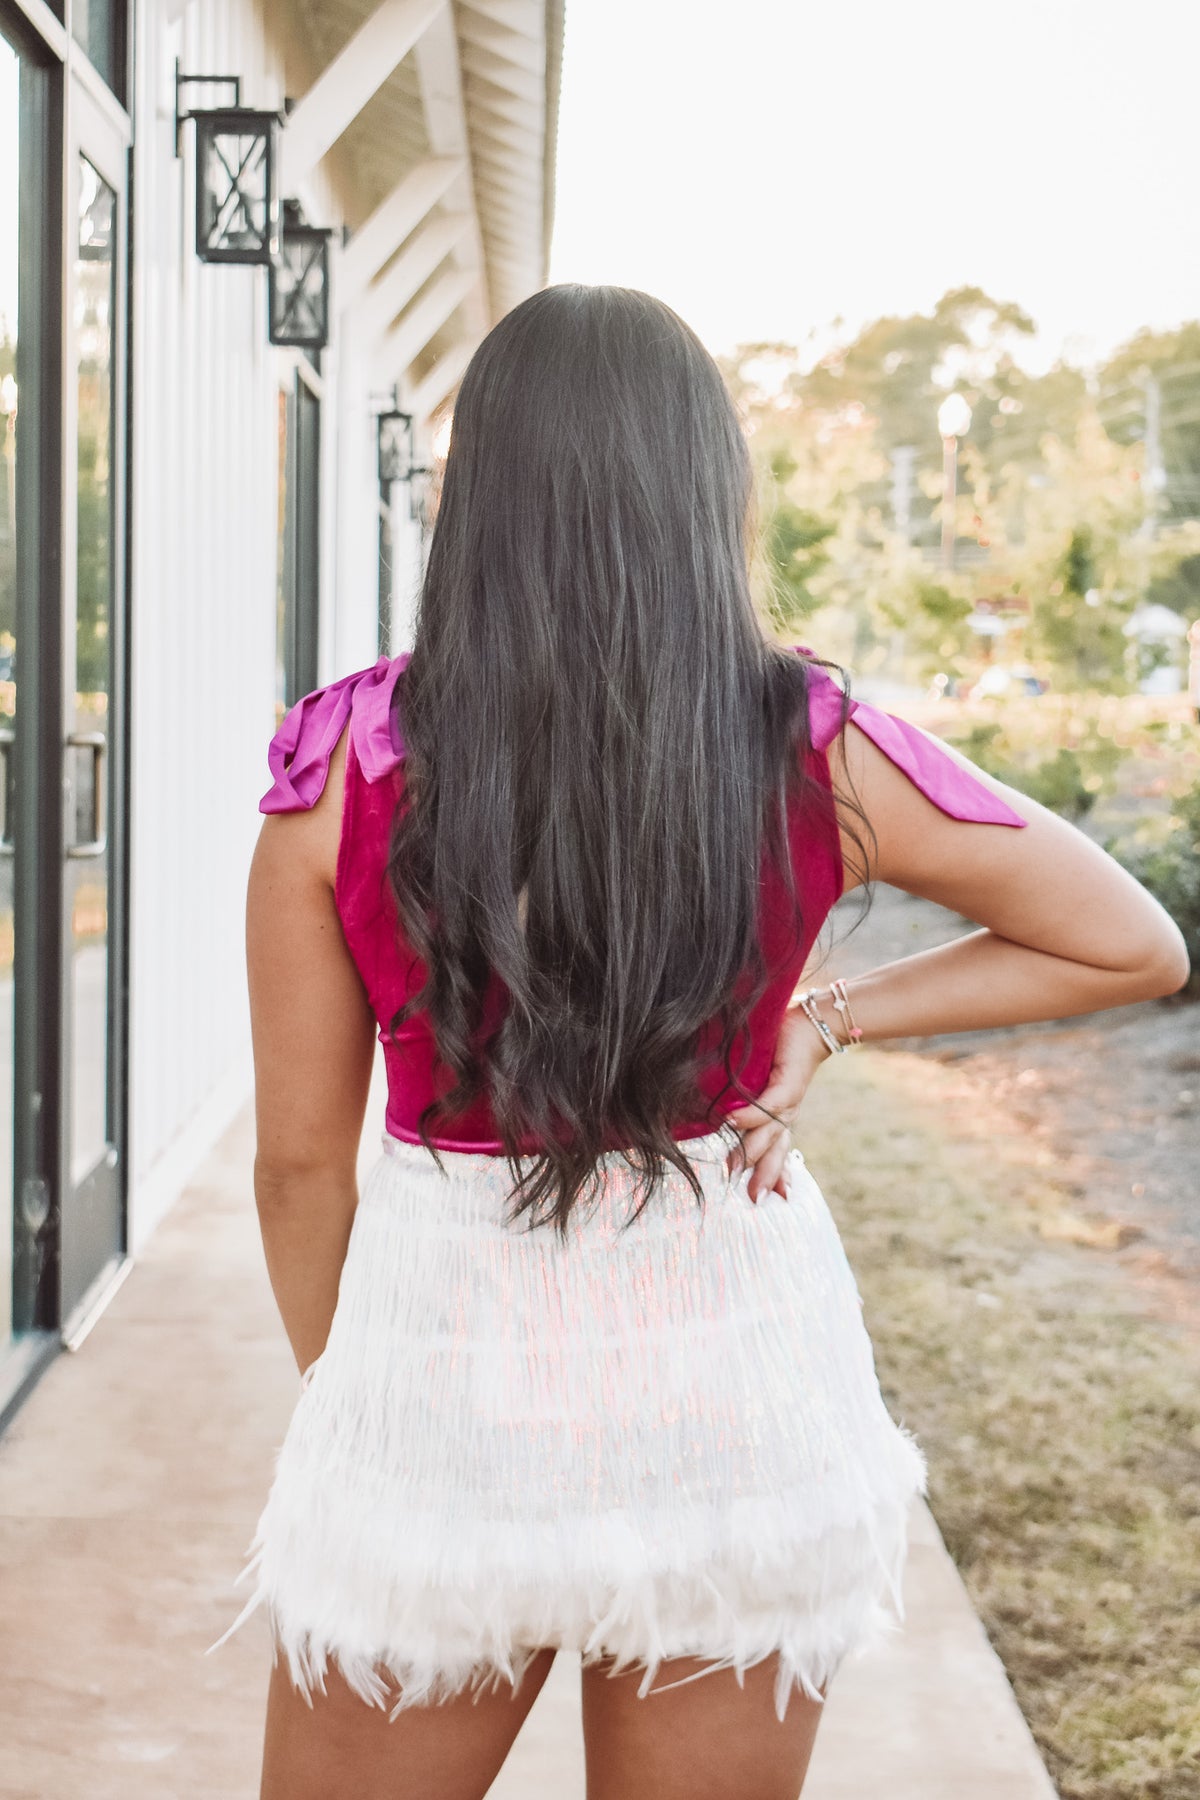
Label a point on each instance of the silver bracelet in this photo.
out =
(808, 1005)
(841, 1001)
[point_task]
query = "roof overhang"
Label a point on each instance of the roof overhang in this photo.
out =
(435, 121)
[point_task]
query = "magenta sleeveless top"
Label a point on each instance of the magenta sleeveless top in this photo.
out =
(299, 756)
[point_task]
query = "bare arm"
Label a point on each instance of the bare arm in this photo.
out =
(313, 1035)
(1066, 930)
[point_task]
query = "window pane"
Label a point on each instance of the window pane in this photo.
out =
(88, 766)
(98, 27)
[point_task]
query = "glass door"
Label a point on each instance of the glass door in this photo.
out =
(11, 323)
(63, 253)
(29, 441)
(93, 705)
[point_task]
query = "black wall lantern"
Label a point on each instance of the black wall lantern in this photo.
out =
(298, 283)
(395, 447)
(396, 450)
(237, 175)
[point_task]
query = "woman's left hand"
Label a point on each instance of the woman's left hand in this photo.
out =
(766, 1126)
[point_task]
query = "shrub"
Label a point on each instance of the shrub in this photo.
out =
(1066, 781)
(1170, 870)
(1059, 782)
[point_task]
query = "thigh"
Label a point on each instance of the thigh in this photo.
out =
(341, 1748)
(709, 1740)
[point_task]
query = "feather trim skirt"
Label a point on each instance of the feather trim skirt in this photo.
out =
(651, 1440)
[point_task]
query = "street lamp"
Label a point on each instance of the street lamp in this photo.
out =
(954, 421)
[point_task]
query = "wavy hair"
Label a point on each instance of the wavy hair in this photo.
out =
(601, 743)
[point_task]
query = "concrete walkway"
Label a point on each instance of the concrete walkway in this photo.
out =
(130, 1484)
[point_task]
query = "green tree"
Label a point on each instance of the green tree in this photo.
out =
(793, 545)
(1058, 533)
(899, 368)
(933, 617)
(1168, 361)
(1080, 556)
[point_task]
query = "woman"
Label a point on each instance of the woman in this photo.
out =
(585, 1366)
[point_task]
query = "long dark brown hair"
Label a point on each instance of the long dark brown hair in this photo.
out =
(601, 742)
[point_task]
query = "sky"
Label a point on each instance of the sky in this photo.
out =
(769, 167)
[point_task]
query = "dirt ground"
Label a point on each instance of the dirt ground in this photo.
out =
(1057, 1407)
(1109, 1104)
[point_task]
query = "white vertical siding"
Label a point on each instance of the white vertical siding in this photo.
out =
(406, 559)
(204, 495)
(356, 620)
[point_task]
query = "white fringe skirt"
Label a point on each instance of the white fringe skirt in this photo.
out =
(638, 1444)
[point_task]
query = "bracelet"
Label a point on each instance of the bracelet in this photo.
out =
(808, 1005)
(841, 1003)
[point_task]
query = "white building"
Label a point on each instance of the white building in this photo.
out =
(193, 529)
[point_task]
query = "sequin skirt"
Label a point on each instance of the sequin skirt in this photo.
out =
(646, 1441)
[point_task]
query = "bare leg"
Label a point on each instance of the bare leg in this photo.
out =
(343, 1749)
(710, 1740)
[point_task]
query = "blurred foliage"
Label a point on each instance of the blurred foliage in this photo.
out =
(8, 534)
(1068, 778)
(896, 367)
(1071, 541)
(1058, 534)
(1178, 587)
(792, 545)
(1129, 761)
(1169, 866)
(1171, 360)
(93, 543)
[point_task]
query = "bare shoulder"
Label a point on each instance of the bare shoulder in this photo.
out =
(893, 829)
(305, 842)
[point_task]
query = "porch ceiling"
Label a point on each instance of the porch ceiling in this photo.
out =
(479, 83)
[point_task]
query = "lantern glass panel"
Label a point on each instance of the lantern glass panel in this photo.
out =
(299, 288)
(395, 447)
(237, 208)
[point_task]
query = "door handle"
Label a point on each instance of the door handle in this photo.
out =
(97, 844)
(7, 740)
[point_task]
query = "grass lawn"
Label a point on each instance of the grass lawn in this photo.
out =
(1057, 1403)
